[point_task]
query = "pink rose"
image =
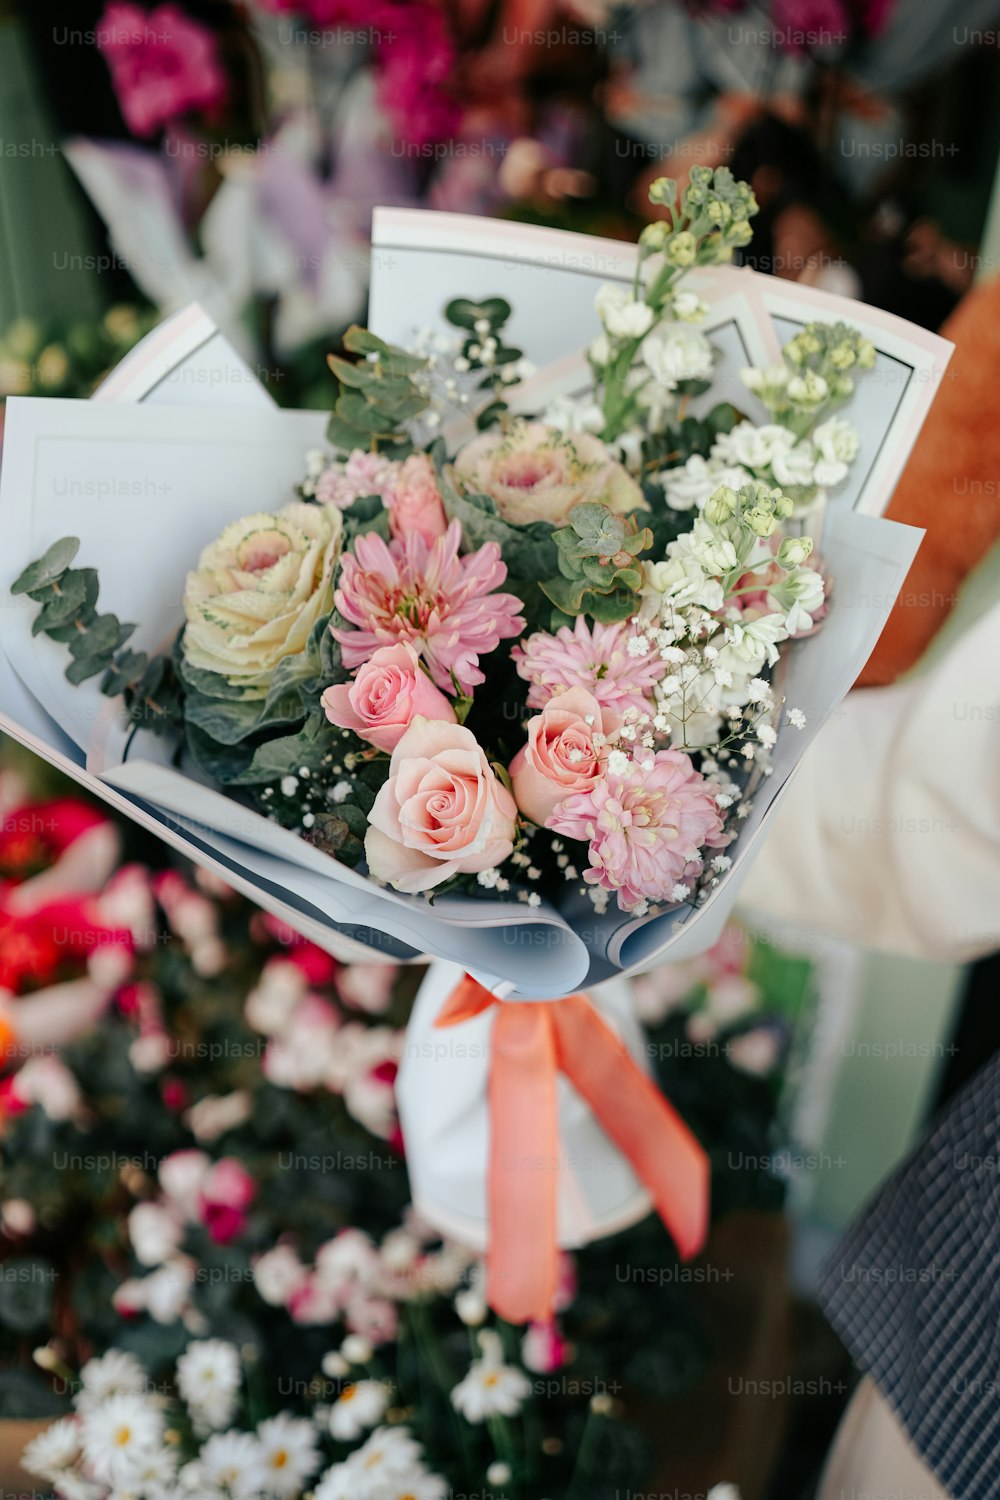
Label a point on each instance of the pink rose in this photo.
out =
(163, 64)
(226, 1193)
(543, 1348)
(560, 757)
(443, 811)
(413, 500)
(388, 693)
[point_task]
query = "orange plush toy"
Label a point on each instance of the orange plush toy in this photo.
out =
(950, 487)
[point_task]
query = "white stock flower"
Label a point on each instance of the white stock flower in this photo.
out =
(358, 1407)
(754, 642)
(155, 1231)
(795, 466)
(808, 389)
(208, 1378)
(687, 307)
(837, 443)
(675, 353)
(714, 550)
(600, 351)
(490, 1388)
(621, 314)
(801, 594)
(752, 447)
(690, 485)
(681, 580)
(573, 414)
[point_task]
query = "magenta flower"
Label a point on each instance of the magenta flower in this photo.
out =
(162, 64)
(646, 827)
(596, 658)
(443, 604)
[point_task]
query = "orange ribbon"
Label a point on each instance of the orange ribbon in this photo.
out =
(533, 1041)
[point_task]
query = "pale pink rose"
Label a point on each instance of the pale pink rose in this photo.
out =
(560, 757)
(312, 1303)
(156, 1232)
(413, 500)
(387, 694)
(442, 812)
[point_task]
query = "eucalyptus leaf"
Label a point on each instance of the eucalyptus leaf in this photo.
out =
(50, 566)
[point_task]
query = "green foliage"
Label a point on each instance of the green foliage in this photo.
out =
(68, 598)
(378, 395)
(598, 554)
(484, 349)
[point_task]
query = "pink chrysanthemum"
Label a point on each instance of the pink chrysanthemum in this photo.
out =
(646, 828)
(593, 657)
(443, 604)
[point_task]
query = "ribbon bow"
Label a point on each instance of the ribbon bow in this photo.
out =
(533, 1041)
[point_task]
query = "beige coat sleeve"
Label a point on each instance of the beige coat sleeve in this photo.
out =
(890, 832)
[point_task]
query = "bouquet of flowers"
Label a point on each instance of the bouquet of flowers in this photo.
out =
(515, 679)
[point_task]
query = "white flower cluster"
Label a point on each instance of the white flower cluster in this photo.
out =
(716, 610)
(671, 351)
(123, 1443)
(771, 454)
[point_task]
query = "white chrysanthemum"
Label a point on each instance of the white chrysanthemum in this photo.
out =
(490, 1388)
(118, 1434)
(113, 1374)
(288, 1454)
(358, 1407)
(230, 1465)
(53, 1450)
(208, 1378)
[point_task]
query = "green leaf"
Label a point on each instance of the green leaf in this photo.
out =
(102, 638)
(346, 437)
(285, 753)
(82, 667)
(393, 360)
(360, 376)
(357, 412)
(78, 590)
(464, 313)
(49, 567)
(125, 669)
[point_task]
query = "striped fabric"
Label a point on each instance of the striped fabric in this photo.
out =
(914, 1292)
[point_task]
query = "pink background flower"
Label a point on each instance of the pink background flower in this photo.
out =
(443, 811)
(162, 64)
(387, 694)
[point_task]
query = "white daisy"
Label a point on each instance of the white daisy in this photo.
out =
(358, 1407)
(231, 1462)
(490, 1388)
(288, 1453)
(53, 1450)
(208, 1378)
(114, 1374)
(119, 1433)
